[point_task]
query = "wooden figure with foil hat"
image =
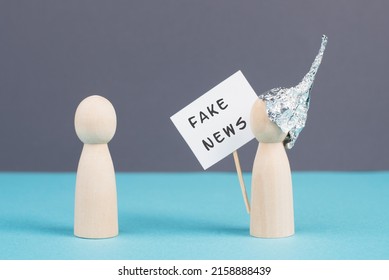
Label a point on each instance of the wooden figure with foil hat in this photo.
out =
(277, 118)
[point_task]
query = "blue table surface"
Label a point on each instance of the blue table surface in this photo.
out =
(196, 216)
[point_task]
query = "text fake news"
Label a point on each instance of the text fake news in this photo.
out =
(220, 135)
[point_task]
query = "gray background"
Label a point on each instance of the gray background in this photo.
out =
(152, 58)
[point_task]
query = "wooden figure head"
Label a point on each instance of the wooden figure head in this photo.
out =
(95, 120)
(262, 127)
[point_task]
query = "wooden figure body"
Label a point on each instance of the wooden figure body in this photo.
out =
(271, 190)
(95, 213)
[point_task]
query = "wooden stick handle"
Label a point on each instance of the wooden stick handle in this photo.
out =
(241, 181)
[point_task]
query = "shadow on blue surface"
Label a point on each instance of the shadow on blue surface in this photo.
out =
(143, 224)
(35, 227)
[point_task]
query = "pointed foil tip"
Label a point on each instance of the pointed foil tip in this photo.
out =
(288, 107)
(324, 39)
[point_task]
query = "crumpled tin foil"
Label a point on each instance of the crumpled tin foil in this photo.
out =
(288, 107)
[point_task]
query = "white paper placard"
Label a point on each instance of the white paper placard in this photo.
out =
(218, 122)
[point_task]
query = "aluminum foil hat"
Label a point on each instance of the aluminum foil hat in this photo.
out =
(288, 107)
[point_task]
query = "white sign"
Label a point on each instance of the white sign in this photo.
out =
(218, 122)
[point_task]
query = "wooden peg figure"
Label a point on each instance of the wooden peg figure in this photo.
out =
(95, 214)
(271, 187)
(277, 118)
